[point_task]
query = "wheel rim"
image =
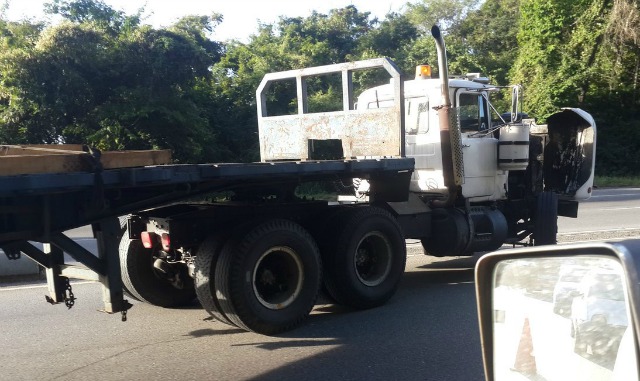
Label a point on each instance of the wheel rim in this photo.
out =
(277, 277)
(372, 262)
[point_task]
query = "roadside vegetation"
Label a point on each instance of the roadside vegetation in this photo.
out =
(105, 78)
(617, 181)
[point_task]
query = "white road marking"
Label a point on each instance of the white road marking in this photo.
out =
(622, 208)
(38, 286)
(615, 195)
(599, 231)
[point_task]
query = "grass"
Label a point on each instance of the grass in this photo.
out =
(616, 181)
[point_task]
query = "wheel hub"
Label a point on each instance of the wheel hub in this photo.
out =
(372, 261)
(277, 277)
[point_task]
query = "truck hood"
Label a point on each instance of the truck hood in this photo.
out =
(570, 154)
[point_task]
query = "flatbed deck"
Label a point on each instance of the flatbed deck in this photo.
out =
(33, 205)
(41, 206)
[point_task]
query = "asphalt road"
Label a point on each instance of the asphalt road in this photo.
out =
(428, 330)
(608, 214)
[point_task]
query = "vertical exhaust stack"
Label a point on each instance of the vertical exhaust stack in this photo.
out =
(450, 139)
(443, 70)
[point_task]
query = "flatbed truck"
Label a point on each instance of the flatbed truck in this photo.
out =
(424, 160)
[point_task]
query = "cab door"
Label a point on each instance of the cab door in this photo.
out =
(482, 179)
(422, 141)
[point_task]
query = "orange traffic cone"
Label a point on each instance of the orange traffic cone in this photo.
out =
(525, 360)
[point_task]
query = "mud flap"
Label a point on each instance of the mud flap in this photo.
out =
(570, 153)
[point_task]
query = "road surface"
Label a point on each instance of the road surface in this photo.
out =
(427, 331)
(609, 214)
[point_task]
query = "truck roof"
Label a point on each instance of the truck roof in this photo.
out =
(415, 88)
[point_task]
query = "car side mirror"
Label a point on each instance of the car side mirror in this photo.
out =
(532, 326)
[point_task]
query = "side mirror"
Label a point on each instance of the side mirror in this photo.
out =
(533, 325)
(515, 101)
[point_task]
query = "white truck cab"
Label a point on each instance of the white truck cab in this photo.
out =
(484, 173)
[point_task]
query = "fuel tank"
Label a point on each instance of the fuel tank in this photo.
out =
(455, 233)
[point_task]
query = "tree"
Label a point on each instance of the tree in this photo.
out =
(623, 36)
(491, 34)
(103, 78)
(445, 13)
(328, 38)
(113, 88)
(584, 54)
(559, 43)
(394, 37)
(290, 43)
(94, 11)
(449, 16)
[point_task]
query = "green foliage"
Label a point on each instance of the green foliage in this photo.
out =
(445, 13)
(395, 37)
(616, 181)
(491, 34)
(86, 81)
(563, 56)
(94, 11)
(576, 53)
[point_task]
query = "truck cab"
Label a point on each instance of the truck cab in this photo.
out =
(484, 179)
(562, 151)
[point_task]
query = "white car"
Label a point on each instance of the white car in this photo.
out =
(566, 288)
(598, 313)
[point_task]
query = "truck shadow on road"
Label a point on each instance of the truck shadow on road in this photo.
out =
(417, 283)
(421, 333)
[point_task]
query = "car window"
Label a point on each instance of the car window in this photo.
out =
(607, 288)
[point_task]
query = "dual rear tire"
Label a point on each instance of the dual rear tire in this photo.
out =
(265, 280)
(366, 258)
(265, 277)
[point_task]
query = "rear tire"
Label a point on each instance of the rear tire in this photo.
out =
(268, 281)
(367, 260)
(141, 280)
(123, 230)
(545, 228)
(206, 262)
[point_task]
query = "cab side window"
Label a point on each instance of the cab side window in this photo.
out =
(417, 116)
